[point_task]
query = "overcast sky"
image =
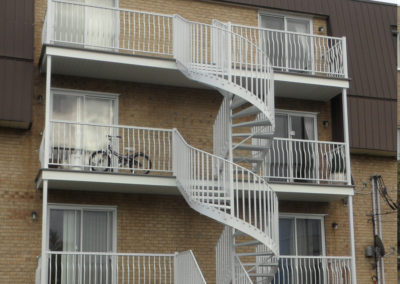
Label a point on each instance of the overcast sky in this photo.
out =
(388, 1)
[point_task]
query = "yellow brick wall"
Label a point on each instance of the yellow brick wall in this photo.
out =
(192, 112)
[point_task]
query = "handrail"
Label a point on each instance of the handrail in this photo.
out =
(299, 52)
(187, 270)
(207, 52)
(227, 192)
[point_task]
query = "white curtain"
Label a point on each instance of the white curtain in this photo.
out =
(309, 128)
(71, 233)
(100, 25)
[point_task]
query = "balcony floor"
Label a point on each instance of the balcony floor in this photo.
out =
(108, 65)
(63, 179)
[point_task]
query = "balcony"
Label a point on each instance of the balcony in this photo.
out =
(129, 45)
(93, 267)
(313, 269)
(118, 158)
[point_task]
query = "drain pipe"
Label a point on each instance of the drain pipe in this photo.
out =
(377, 226)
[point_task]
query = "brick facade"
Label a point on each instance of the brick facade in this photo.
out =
(158, 223)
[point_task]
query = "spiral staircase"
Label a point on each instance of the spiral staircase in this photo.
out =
(225, 186)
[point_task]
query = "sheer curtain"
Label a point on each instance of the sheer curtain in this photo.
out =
(71, 234)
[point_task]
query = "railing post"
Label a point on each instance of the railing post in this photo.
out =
(229, 51)
(174, 151)
(47, 115)
(175, 268)
(344, 54)
(44, 259)
(50, 21)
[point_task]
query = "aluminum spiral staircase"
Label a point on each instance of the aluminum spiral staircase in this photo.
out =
(225, 186)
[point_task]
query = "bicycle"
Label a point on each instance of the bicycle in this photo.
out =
(100, 161)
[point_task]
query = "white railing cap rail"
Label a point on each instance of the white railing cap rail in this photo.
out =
(112, 8)
(285, 32)
(112, 253)
(310, 141)
(111, 125)
(314, 257)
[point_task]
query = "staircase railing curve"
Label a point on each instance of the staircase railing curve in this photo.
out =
(214, 55)
(227, 192)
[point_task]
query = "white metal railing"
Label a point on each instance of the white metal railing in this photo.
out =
(305, 160)
(99, 147)
(241, 275)
(231, 193)
(187, 270)
(292, 51)
(38, 271)
(215, 55)
(99, 267)
(222, 132)
(223, 254)
(313, 270)
(107, 28)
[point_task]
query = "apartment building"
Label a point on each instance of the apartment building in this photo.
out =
(198, 142)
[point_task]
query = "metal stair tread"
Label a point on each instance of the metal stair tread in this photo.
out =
(247, 159)
(252, 110)
(266, 122)
(250, 147)
(257, 253)
(250, 243)
(259, 136)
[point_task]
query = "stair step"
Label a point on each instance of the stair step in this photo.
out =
(260, 264)
(239, 234)
(245, 112)
(257, 253)
(237, 102)
(261, 274)
(251, 243)
(253, 123)
(247, 160)
(259, 136)
(249, 147)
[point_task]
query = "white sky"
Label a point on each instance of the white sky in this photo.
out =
(389, 1)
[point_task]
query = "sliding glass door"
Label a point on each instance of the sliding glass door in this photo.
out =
(287, 42)
(82, 23)
(73, 230)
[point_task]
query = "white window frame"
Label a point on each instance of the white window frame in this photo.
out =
(398, 143)
(81, 207)
(313, 115)
(83, 93)
(295, 216)
(285, 16)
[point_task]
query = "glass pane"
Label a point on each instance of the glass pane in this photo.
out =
(309, 239)
(299, 46)
(286, 236)
(69, 23)
(272, 22)
(273, 42)
(97, 231)
(281, 125)
(64, 233)
(100, 25)
(65, 107)
(97, 111)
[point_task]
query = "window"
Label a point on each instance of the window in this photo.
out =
(286, 41)
(80, 124)
(87, 26)
(293, 157)
(301, 235)
(80, 229)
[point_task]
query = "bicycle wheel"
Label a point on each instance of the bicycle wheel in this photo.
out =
(140, 164)
(100, 161)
